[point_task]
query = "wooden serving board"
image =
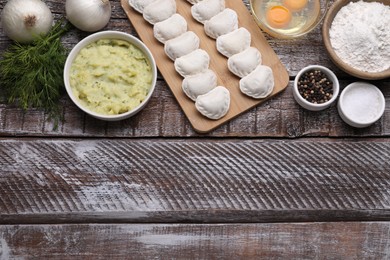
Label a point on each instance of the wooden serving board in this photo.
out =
(218, 62)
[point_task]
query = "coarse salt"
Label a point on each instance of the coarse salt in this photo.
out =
(362, 103)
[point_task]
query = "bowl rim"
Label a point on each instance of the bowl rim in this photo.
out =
(353, 122)
(109, 34)
(330, 74)
(331, 14)
(275, 34)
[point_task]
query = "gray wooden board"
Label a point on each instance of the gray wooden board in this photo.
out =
(366, 240)
(90, 171)
(60, 181)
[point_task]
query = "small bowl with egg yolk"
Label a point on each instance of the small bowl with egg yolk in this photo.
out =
(287, 19)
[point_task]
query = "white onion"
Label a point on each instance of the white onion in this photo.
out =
(88, 15)
(23, 20)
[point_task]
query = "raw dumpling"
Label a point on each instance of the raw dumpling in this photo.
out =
(192, 63)
(222, 23)
(170, 28)
(159, 10)
(243, 63)
(206, 9)
(181, 45)
(234, 42)
(139, 5)
(259, 83)
(199, 84)
(215, 103)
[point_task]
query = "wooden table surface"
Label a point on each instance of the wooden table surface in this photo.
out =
(276, 182)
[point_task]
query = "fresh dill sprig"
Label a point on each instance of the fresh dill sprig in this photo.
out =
(32, 74)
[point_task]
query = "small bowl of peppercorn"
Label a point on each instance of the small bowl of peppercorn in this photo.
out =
(315, 87)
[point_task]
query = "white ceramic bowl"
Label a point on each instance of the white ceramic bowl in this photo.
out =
(361, 104)
(307, 104)
(109, 35)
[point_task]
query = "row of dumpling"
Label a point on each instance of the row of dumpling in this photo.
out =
(192, 63)
(244, 61)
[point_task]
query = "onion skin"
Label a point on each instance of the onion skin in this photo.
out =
(23, 20)
(88, 15)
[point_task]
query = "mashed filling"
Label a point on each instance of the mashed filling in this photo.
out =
(110, 76)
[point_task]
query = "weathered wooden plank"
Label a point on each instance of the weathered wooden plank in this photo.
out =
(202, 181)
(279, 117)
(342, 240)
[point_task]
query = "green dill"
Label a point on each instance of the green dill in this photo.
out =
(32, 74)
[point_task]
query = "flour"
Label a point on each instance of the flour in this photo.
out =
(360, 35)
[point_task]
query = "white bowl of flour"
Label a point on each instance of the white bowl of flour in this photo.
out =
(356, 35)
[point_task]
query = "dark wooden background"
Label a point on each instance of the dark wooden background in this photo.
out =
(277, 182)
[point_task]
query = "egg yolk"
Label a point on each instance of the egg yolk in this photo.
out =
(295, 5)
(278, 16)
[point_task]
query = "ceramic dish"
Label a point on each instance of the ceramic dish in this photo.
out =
(333, 10)
(110, 35)
(313, 106)
(361, 104)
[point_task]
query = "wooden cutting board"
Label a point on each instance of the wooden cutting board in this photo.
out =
(218, 63)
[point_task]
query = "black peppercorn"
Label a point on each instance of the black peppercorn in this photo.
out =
(315, 86)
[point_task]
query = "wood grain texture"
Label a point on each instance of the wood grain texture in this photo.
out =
(162, 117)
(218, 63)
(256, 241)
(66, 181)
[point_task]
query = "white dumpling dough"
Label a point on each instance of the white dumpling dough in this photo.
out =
(170, 28)
(222, 23)
(199, 84)
(234, 42)
(243, 63)
(181, 45)
(192, 63)
(259, 83)
(215, 103)
(139, 5)
(206, 9)
(159, 10)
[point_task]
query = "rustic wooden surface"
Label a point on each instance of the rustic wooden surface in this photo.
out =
(193, 181)
(276, 182)
(175, 241)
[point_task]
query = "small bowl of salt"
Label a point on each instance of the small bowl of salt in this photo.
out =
(361, 104)
(356, 36)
